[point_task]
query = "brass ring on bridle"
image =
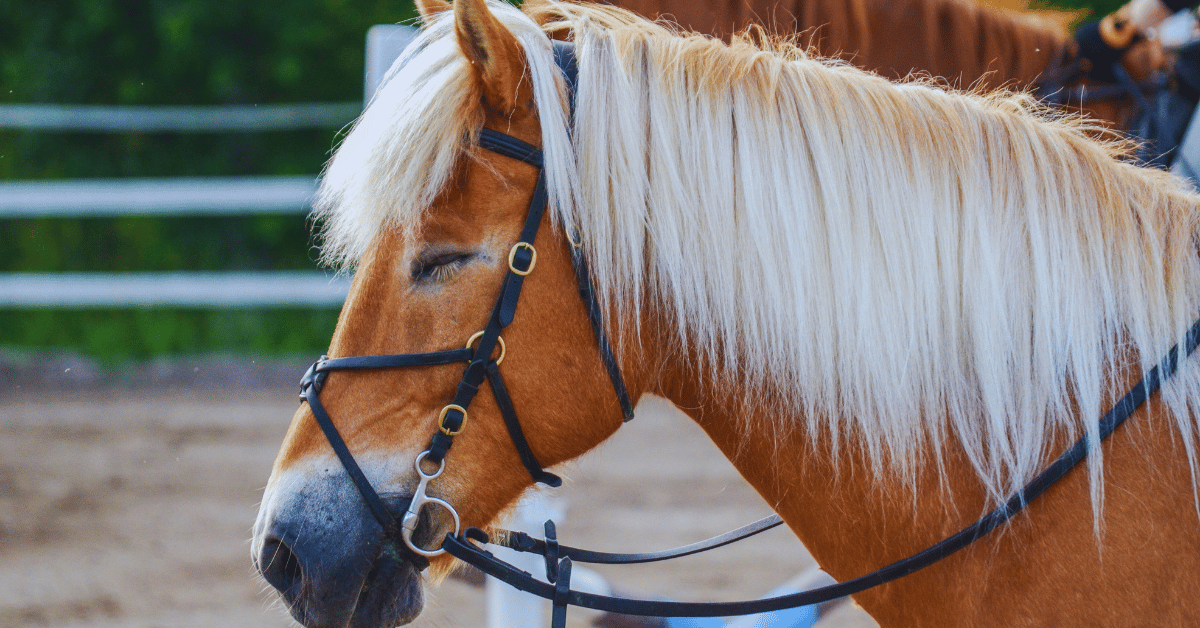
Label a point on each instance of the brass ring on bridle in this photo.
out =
(477, 335)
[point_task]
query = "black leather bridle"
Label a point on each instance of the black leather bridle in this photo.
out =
(481, 366)
(477, 353)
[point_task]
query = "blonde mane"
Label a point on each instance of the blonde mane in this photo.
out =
(900, 264)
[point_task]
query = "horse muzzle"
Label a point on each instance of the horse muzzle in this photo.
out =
(332, 562)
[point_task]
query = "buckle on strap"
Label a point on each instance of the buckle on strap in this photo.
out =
(524, 253)
(455, 427)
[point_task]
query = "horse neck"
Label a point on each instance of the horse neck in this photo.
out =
(816, 487)
(852, 523)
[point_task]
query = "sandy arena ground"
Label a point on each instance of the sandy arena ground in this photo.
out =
(132, 507)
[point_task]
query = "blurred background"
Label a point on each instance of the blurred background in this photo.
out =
(159, 299)
(183, 53)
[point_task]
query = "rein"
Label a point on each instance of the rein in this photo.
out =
(477, 353)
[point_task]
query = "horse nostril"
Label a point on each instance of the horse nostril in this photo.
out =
(280, 566)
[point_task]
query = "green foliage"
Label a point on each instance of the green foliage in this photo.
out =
(129, 243)
(168, 52)
(124, 334)
(187, 51)
(1091, 8)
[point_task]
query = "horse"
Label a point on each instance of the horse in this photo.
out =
(961, 42)
(888, 304)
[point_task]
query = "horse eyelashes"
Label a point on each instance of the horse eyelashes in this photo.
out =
(439, 267)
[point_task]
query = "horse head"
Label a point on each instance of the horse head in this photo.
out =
(427, 281)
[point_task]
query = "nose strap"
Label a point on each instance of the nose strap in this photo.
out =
(310, 389)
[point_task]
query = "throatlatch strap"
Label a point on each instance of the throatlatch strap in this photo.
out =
(588, 294)
(515, 433)
(564, 58)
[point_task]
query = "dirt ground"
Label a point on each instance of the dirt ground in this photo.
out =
(132, 507)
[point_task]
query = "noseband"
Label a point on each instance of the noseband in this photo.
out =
(452, 419)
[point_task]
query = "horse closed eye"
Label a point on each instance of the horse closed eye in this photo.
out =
(439, 267)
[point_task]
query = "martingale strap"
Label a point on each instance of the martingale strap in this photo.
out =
(550, 548)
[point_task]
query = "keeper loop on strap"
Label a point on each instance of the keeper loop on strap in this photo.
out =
(438, 446)
(472, 377)
(551, 555)
(562, 594)
(475, 534)
(524, 254)
(452, 420)
(313, 378)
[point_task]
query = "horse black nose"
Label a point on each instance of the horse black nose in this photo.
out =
(280, 566)
(332, 563)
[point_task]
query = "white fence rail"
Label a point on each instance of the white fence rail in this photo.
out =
(197, 196)
(195, 119)
(180, 289)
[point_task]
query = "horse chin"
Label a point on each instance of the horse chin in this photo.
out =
(391, 595)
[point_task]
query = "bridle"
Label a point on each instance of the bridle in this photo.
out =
(477, 353)
(452, 419)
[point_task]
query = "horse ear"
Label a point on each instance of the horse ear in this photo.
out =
(430, 8)
(493, 52)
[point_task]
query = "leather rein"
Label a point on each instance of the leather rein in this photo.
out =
(481, 366)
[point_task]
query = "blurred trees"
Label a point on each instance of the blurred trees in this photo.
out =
(1093, 8)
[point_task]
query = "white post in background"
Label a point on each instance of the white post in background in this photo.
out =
(507, 607)
(385, 42)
